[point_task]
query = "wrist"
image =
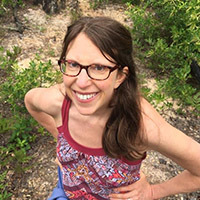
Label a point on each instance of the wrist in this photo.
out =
(156, 192)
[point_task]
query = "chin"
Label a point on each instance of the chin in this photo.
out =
(85, 112)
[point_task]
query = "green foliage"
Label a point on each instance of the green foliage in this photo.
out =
(6, 4)
(17, 123)
(13, 90)
(168, 35)
(8, 58)
(20, 159)
(4, 124)
(134, 2)
(75, 11)
(4, 195)
(96, 3)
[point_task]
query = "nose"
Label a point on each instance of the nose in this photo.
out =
(83, 80)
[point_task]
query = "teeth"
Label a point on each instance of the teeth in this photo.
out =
(85, 97)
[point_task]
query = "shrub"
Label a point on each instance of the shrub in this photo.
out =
(18, 127)
(168, 35)
(13, 89)
(7, 4)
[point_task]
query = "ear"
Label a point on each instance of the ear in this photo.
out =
(121, 76)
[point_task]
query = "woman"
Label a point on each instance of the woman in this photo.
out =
(103, 125)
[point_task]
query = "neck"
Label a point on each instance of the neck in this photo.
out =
(98, 117)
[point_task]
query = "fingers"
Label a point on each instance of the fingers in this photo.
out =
(58, 163)
(132, 195)
(142, 175)
(131, 187)
(126, 192)
(139, 190)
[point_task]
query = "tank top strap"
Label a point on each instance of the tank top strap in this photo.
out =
(65, 110)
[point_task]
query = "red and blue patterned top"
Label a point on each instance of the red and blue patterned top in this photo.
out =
(88, 173)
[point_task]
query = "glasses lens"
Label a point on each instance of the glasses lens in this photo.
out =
(98, 72)
(70, 68)
(94, 71)
(62, 67)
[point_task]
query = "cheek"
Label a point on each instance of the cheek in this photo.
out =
(67, 81)
(64, 79)
(67, 84)
(107, 87)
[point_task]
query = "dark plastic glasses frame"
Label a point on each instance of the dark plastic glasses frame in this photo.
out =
(63, 61)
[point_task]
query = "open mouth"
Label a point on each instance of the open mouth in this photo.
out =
(85, 96)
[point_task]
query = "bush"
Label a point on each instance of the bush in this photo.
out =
(13, 89)
(18, 127)
(168, 35)
(9, 4)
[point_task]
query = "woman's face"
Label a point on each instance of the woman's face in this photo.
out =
(89, 96)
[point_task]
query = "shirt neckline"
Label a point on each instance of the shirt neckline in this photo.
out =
(77, 146)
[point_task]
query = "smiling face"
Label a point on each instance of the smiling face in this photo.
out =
(87, 95)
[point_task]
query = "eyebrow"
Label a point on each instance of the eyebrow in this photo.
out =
(89, 64)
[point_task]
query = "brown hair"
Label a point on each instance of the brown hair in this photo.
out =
(121, 136)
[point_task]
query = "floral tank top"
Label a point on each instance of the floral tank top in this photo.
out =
(88, 173)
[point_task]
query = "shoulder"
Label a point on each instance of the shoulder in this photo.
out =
(161, 136)
(45, 99)
(154, 125)
(151, 118)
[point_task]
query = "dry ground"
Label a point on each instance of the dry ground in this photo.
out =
(44, 36)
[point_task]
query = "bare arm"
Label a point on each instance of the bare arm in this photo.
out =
(164, 138)
(44, 105)
(185, 152)
(174, 144)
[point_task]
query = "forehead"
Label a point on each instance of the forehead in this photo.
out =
(82, 49)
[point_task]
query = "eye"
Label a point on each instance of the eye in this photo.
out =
(100, 68)
(72, 64)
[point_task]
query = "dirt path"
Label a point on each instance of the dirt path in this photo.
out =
(44, 36)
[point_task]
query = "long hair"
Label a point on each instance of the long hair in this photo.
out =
(122, 134)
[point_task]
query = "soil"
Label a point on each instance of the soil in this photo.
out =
(44, 35)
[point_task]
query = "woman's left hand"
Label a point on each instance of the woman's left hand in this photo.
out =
(140, 190)
(58, 163)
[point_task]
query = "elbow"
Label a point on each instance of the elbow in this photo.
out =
(196, 181)
(29, 98)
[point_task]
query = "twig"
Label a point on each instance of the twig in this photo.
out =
(9, 28)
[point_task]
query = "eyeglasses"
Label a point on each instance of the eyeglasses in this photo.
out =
(94, 71)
